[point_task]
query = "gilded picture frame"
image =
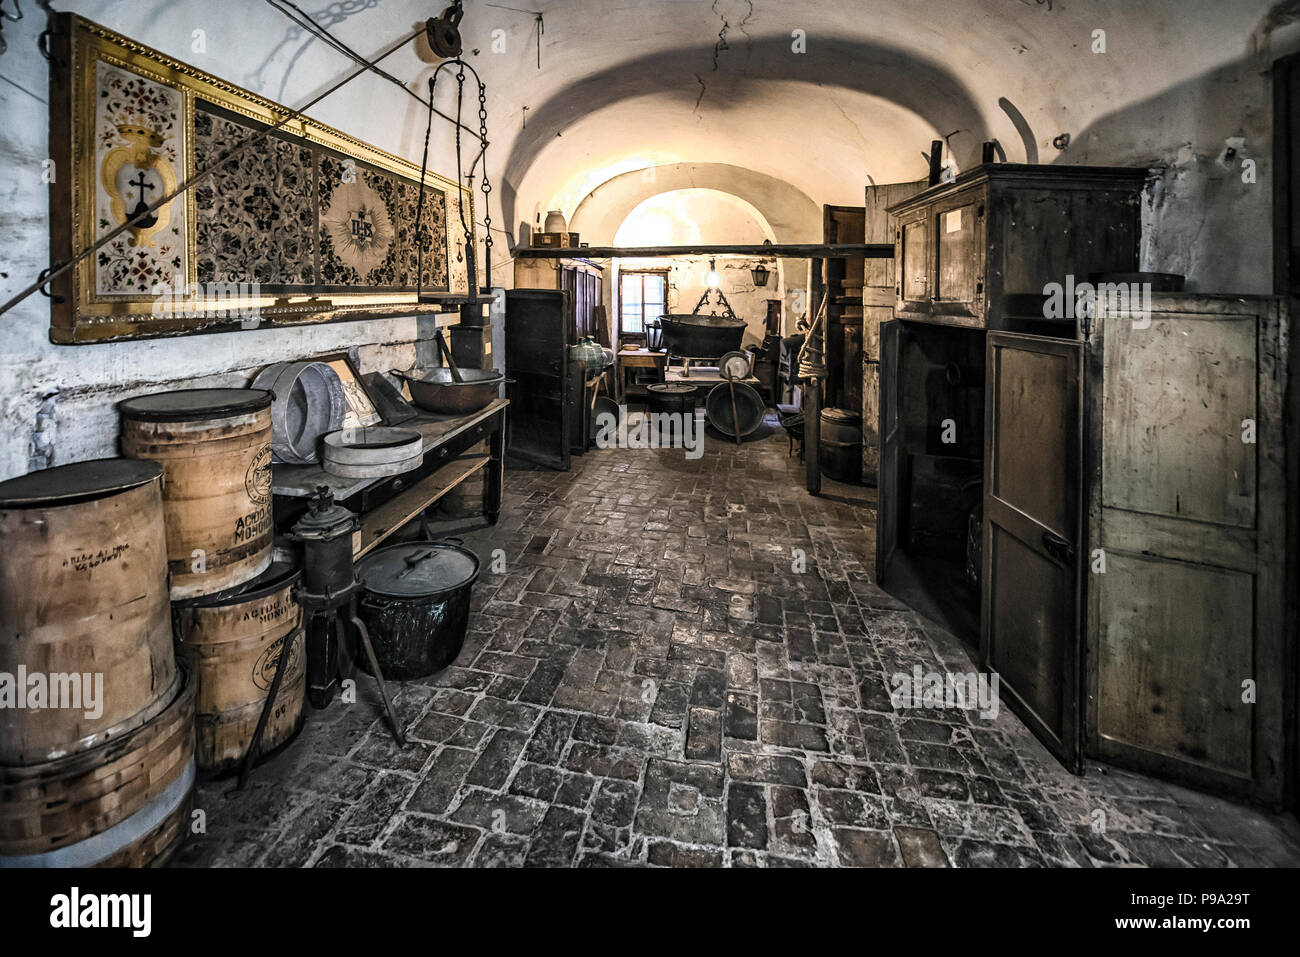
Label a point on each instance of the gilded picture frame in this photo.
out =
(308, 225)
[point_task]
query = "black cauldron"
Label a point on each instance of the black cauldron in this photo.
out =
(415, 604)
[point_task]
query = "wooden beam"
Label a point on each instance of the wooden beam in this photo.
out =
(778, 251)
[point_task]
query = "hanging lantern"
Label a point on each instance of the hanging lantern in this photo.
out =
(760, 274)
(714, 279)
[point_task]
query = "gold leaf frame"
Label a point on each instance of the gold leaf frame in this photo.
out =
(78, 314)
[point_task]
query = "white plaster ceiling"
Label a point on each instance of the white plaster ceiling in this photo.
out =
(626, 84)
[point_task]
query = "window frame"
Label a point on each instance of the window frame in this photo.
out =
(662, 273)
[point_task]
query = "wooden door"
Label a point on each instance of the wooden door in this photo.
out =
(958, 225)
(1186, 608)
(889, 505)
(537, 360)
(878, 301)
(1030, 614)
(913, 257)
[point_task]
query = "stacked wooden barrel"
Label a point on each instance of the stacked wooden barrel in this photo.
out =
(235, 613)
(97, 736)
(234, 642)
(215, 449)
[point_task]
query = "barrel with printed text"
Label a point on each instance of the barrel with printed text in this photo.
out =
(215, 449)
(234, 643)
(85, 626)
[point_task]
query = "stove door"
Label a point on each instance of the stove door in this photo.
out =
(1033, 561)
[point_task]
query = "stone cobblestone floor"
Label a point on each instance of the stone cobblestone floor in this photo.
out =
(649, 683)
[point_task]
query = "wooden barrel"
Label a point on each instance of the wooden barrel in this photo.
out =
(233, 644)
(125, 802)
(85, 626)
(215, 449)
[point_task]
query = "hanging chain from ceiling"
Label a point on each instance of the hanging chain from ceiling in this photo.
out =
(486, 185)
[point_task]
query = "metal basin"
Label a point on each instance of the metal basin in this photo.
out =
(750, 409)
(702, 337)
(437, 391)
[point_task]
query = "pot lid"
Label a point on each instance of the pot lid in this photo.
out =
(191, 404)
(280, 575)
(417, 569)
(79, 482)
(671, 388)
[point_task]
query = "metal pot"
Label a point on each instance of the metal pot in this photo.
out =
(437, 391)
(701, 337)
(415, 604)
(672, 397)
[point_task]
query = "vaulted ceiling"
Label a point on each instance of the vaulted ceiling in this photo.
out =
(626, 85)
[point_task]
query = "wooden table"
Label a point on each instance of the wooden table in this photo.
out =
(386, 504)
(705, 377)
(638, 359)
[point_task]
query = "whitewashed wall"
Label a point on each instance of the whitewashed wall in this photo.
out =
(57, 402)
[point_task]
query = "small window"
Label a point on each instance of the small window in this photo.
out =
(641, 299)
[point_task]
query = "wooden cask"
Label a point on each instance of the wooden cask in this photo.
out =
(125, 802)
(215, 449)
(233, 644)
(87, 651)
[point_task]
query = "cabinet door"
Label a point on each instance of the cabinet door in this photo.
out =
(1030, 628)
(913, 250)
(959, 232)
(537, 360)
(1186, 649)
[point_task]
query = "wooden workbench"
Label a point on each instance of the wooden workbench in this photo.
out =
(706, 377)
(386, 504)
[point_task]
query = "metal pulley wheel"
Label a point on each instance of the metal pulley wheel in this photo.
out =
(443, 32)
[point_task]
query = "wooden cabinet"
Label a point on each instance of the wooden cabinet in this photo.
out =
(1132, 587)
(979, 251)
(1186, 477)
(1134, 547)
(580, 278)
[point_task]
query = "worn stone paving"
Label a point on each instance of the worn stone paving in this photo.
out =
(649, 683)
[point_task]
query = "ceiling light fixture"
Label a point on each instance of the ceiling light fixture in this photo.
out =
(714, 279)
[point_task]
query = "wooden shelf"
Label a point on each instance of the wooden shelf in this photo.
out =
(392, 515)
(453, 299)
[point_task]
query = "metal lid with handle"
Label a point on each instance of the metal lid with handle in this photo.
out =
(418, 569)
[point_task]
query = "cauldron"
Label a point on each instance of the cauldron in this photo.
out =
(702, 337)
(415, 603)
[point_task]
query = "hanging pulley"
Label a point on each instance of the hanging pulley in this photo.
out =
(444, 32)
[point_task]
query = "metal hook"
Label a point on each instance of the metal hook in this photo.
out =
(43, 279)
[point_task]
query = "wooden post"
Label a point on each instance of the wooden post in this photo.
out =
(936, 162)
(812, 434)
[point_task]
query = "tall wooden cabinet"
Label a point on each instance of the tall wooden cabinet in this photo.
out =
(1187, 658)
(1132, 557)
